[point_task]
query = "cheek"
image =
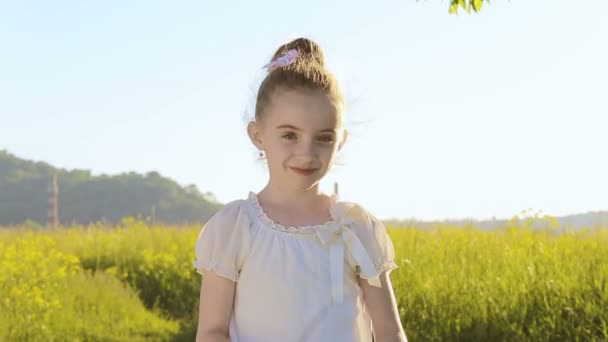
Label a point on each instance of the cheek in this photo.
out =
(328, 152)
(282, 149)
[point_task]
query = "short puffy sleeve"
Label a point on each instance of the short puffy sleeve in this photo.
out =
(223, 242)
(375, 239)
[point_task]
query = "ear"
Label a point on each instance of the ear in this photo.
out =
(255, 134)
(343, 140)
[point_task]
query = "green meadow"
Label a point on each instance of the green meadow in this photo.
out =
(136, 282)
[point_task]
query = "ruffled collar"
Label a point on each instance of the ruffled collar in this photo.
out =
(335, 213)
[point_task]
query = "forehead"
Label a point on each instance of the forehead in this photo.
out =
(308, 110)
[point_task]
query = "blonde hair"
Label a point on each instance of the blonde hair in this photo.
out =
(306, 72)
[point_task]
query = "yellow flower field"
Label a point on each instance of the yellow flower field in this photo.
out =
(136, 282)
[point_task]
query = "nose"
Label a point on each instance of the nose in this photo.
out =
(307, 150)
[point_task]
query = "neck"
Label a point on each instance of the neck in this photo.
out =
(292, 198)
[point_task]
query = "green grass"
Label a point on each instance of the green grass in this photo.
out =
(510, 284)
(136, 282)
(48, 296)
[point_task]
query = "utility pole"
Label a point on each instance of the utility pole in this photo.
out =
(52, 220)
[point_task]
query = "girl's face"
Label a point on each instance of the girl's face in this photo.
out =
(301, 132)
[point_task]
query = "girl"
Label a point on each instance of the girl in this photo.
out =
(290, 263)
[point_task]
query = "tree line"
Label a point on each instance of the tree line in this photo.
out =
(84, 198)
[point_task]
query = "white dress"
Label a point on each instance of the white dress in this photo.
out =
(296, 284)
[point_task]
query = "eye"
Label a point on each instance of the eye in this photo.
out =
(289, 136)
(327, 139)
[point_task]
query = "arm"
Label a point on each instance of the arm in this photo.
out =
(215, 308)
(382, 307)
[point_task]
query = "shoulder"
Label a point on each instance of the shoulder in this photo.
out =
(230, 224)
(365, 224)
(356, 212)
(229, 215)
(231, 207)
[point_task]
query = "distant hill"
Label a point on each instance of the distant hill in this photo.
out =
(590, 219)
(85, 198)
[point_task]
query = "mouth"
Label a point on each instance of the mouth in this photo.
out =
(304, 172)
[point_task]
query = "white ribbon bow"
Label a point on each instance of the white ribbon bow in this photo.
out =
(337, 237)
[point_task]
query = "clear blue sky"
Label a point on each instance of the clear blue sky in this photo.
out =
(450, 116)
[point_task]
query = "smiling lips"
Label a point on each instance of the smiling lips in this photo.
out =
(304, 172)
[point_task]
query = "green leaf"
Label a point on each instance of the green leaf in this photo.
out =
(477, 5)
(453, 8)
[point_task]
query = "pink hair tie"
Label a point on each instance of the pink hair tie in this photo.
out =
(284, 60)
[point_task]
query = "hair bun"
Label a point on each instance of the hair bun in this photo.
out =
(305, 47)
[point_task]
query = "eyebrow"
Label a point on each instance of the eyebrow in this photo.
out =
(297, 129)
